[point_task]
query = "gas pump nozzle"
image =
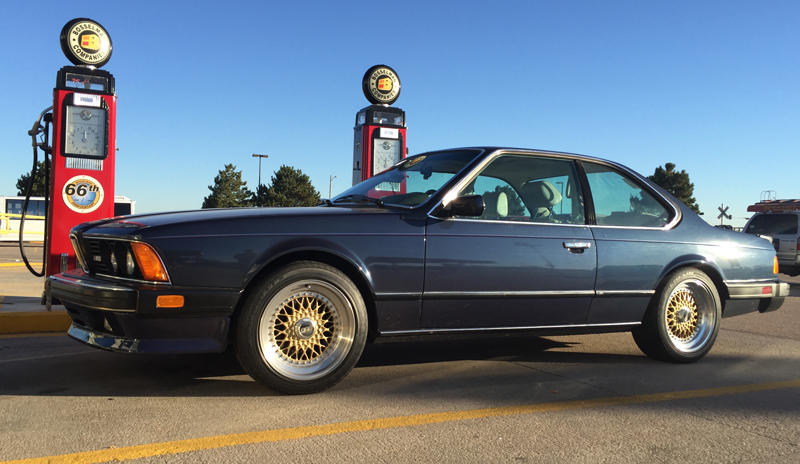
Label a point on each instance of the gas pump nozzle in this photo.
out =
(37, 126)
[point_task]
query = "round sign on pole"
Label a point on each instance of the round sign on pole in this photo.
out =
(86, 42)
(381, 85)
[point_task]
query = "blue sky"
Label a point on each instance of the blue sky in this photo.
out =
(711, 86)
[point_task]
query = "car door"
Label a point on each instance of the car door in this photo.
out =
(528, 261)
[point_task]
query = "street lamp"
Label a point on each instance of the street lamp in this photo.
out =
(330, 186)
(259, 175)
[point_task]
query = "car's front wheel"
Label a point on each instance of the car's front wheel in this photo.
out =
(302, 329)
(683, 318)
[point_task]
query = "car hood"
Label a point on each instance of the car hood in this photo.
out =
(238, 221)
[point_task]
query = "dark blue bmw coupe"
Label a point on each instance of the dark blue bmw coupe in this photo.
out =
(470, 240)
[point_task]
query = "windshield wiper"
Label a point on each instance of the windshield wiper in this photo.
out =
(356, 198)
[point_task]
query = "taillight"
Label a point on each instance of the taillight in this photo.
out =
(775, 265)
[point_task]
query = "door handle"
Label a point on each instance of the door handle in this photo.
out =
(577, 247)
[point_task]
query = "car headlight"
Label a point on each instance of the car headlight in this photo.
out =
(129, 264)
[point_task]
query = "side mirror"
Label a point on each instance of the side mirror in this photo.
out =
(468, 205)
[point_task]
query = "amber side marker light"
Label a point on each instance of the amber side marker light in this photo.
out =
(169, 301)
(775, 265)
(149, 262)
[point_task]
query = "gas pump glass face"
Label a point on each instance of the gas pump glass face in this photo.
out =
(385, 154)
(413, 180)
(85, 131)
(86, 82)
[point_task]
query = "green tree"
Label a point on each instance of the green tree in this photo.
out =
(38, 182)
(289, 187)
(228, 191)
(677, 183)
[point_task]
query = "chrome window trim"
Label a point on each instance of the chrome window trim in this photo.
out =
(505, 329)
(453, 192)
(506, 221)
(644, 184)
(641, 181)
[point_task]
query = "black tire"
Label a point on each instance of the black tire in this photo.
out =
(682, 320)
(302, 329)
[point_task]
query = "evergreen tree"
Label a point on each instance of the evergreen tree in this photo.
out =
(228, 190)
(677, 183)
(38, 182)
(289, 187)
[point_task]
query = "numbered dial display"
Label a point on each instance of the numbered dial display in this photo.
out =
(85, 132)
(385, 154)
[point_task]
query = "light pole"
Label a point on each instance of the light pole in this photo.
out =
(330, 186)
(258, 196)
(561, 189)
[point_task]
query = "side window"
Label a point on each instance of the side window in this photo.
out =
(14, 206)
(621, 201)
(35, 207)
(529, 188)
(773, 224)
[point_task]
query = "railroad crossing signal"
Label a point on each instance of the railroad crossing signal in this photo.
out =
(723, 213)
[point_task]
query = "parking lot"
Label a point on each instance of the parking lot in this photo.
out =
(521, 398)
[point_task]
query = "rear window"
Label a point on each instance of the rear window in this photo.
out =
(773, 224)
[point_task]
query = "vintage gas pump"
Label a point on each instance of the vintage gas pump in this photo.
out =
(83, 141)
(379, 139)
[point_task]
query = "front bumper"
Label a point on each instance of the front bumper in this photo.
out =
(209, 335)
(123, 315)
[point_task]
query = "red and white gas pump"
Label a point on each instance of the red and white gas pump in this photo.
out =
(379, 136)
(84, 135)
(81, 177)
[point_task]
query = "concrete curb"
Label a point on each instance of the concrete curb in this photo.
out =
(24, 322)
(26, 315)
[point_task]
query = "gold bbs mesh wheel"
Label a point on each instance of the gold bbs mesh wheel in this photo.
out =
(682, 315)
(690, 316)
(306, 330)
(304, 327)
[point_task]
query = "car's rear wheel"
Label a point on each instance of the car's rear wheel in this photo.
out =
(682, 321)
(302, 329)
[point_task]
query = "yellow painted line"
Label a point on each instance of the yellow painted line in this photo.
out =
(18, 264)
(222, 441)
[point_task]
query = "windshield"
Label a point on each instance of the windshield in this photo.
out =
(411, 181)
